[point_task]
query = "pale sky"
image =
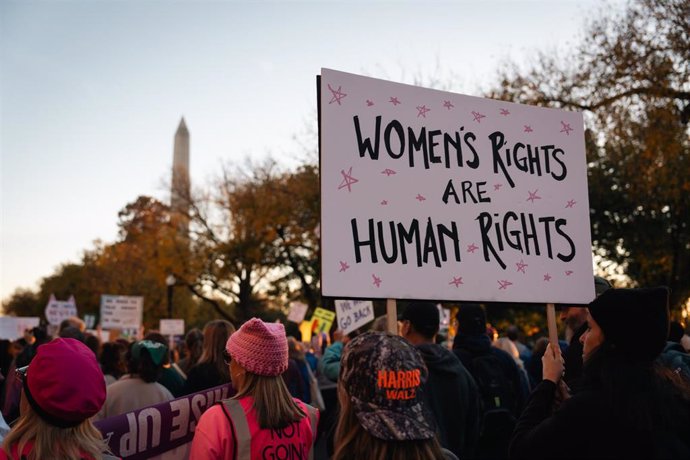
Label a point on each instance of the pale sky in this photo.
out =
(91, 93)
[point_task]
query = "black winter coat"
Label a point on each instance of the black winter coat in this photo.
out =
(583, 427)
(451, 394)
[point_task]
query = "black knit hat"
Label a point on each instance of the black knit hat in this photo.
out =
(471, 319)
(423, 316)
(634, 321)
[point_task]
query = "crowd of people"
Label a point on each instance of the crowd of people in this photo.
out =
(617, 386)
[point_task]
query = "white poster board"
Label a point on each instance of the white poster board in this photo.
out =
(13, 327)
(298, 310)
(90, 321)
(171, 326)
(352, 314)
(121, 312)
(428, 194)
(58, 310)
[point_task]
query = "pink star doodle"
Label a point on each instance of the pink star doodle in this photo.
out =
(422, 111)
(348, 180)
(343, 266)
(394, 100)
(566, 128)
(369, 103)
(472, 247)
(533, 196)
(478, 116)
(377, 280)
(569, 272)
(503, 284)
(505, 112)
(448, 105)
(384, 203)
(457, 281)
(521, 266)
(337, 94)
(388, 172)
(570, 204)
(498, 186)
(420, 197)
(547, 277)
(528, 129)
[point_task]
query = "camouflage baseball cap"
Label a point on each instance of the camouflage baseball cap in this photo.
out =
(384, 374)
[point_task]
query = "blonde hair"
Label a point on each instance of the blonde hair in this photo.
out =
(54, 442)
(353, 441)
(273, 403)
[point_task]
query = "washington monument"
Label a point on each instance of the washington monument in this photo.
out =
(179, 191)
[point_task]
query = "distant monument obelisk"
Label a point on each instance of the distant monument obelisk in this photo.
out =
(180, 186)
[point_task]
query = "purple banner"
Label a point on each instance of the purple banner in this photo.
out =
(152, 430)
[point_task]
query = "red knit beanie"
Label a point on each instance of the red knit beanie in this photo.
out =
(261, 348)
(64, 384)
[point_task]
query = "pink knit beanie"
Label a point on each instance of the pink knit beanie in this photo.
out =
(261, 348)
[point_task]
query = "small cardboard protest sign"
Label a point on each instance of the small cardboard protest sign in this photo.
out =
(13, 327)
(428, 194)
(324, 320)
(121, 312)
(58, 310)
(171, 326)
(297, 312)
(352, 314)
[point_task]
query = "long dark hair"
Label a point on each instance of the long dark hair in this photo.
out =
(216, 334)
(113, 359)
(647, 395)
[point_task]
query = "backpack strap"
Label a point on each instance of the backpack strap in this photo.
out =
(312, 412)
(240, 428)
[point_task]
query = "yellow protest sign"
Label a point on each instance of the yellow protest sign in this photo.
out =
(324, 320)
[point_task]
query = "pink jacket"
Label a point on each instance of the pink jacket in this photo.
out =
(214, 437)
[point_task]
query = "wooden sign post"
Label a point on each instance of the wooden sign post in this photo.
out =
(391, 316)
(551, 323)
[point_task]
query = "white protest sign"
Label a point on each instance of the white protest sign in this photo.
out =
(90, 321)
(353, 314)
(121, 312)
(171, 326)
(427, 194)
(13, 327)
(297, 312)
(58, 310)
